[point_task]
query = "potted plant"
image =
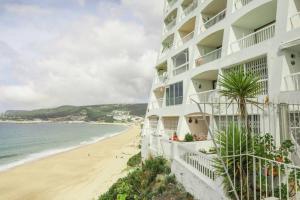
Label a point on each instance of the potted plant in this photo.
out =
(188, 138)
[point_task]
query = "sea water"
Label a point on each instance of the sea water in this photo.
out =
(21, 143)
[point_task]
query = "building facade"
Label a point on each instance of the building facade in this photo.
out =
(202, 39)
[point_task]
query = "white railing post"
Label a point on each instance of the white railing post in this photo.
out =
(204, 97)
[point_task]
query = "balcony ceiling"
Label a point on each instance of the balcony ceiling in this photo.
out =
(208, 75)
(213, 40)
(188, 26)
(215, 7)
(258, 17)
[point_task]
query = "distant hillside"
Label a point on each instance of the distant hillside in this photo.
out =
(74, 113)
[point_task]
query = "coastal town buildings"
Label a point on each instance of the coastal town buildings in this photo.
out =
(202, 39)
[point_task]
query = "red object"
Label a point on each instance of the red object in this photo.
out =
(175, 138)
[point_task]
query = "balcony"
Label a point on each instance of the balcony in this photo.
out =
(214, 20)
(186, 32)
(170, 5)
(254, 38)
(170, 21)
(156, 104)
(185, 39)
(188, 7)
(161, 76)
(238, 4)
(204, 97)
(292, 82)
(167, 45)
(295, 20)
(181, 62)
(209, 57)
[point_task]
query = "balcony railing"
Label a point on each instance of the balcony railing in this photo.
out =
(165, 50)
(169, 6)
(204, 97)
(185, 39)
(211, 56)
(241, 3)
(214, 20)
(254, 38)
(181, 69)
(157, 104)
(199, 161)
(295, 20)
(190, 8)
(170, 25)
(292, 82)
(161, 79)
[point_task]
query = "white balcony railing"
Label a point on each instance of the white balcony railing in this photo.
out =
(170, 25)
(241, 3)
(199, 161)
(190, 8)
(169, 5)
(161, 79)
(214, 20)
(254, 38)
(165, 50)
(181, 69)
(211, 56)
(204, 97)
(295, 20)
(157, 104)
(292, 82)
(185, 39)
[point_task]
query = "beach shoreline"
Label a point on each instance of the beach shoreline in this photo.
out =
(51, 152)
(104, 160)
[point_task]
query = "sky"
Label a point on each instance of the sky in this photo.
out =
(77, 52)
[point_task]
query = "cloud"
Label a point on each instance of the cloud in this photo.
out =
(26, 9)
(91, 61)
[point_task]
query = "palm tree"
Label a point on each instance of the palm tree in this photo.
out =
(240, 87)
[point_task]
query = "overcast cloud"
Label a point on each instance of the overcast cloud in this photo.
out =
(77, 52)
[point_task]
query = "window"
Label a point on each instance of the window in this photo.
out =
(174, 94)
(258, 67)
(181, 62)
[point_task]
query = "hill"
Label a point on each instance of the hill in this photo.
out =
(105, 113)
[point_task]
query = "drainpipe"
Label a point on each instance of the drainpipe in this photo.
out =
(283, 109)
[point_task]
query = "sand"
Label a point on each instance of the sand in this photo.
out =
(82, 173)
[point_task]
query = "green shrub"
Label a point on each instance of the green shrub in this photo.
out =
(135, 160)
(188, 138)
(151, 181)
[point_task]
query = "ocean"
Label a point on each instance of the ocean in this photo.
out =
(22, 143)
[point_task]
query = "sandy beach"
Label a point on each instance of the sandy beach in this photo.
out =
(82, 173)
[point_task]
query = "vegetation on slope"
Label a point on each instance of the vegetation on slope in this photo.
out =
(88, 113)
(152, 181)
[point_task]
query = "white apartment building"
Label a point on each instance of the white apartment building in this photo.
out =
(202, 39)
